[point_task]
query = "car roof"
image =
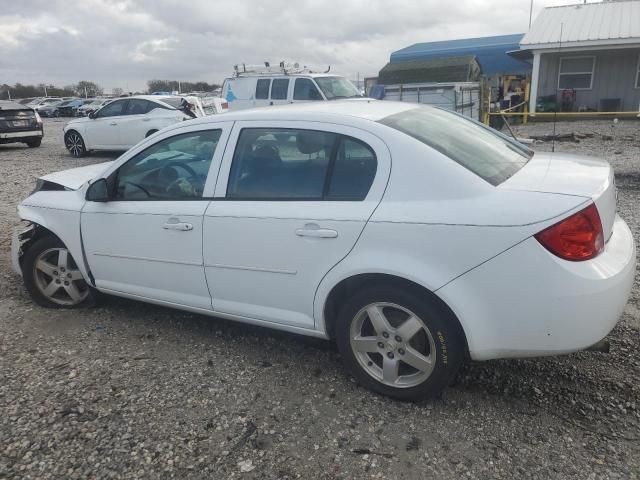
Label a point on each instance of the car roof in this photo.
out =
(362, 108)
(11, 105)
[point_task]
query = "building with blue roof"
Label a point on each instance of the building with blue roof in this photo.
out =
(490, 52)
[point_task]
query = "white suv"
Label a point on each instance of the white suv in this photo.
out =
(253, 90)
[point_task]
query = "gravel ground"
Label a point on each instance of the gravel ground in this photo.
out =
(129, 390)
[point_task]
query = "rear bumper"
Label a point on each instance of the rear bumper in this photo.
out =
(527, 302)
(20, 135)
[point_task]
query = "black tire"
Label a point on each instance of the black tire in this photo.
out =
(445, 330)
(150, 132)
(31, 282)
(34, 143)
(75, 144)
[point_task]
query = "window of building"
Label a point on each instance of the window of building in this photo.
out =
(576, 73)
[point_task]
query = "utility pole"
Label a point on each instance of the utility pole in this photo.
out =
(45, 91)
(531, 13)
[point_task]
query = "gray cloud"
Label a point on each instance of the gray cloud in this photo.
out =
(123, 43)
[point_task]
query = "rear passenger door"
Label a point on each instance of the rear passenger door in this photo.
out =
(290, 202)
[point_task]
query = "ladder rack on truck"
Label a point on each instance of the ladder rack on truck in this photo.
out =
(283, 68)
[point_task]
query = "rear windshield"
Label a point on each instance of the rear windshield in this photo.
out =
(486, 152)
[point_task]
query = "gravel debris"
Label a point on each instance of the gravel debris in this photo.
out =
(130, 390)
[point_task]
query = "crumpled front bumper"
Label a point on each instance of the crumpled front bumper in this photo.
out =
(21, 235)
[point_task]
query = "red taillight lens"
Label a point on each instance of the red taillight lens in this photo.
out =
(225, 105)
(576, 238)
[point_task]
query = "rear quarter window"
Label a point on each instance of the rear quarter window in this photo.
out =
(480, 149)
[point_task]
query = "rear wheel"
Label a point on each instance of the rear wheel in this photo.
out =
(34, 143)
(52, 276)
(399, 343)
(74, 143)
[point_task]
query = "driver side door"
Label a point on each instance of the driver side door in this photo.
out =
(146, 241)
(103, 131)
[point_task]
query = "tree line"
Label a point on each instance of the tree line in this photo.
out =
(91, 89)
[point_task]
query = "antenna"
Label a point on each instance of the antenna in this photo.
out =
(555, 113)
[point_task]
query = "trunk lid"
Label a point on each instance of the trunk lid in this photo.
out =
(566, 174)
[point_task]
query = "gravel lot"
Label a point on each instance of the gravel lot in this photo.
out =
(129, 390)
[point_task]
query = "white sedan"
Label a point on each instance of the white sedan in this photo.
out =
(122, 123)
(410, 235)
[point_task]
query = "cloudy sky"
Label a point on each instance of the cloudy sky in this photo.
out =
(123, 43)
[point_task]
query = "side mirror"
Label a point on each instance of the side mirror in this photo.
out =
(98, 191)
(92, 114)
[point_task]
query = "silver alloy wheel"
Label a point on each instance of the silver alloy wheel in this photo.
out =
(392, 345)
(58, 278)
(75, 144)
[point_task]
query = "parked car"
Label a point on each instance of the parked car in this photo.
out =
(20, 124)
(122, 123)
(44, 101)
(51, 109)
(294, 218)
(70, 107)
(264, 88)
(92, 106)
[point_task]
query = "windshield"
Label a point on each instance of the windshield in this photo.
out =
(337, 87)
(480, 149)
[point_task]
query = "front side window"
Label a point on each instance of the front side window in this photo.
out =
(292, 164)
(305, 89)
(576, 73)
(279, 88)
(337, 87)
(113, 109)
(262, 89)
(175, 168)
(480, 149)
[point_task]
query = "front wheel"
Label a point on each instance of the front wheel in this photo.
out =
(52, 276)
(74, 143)
(400, 343)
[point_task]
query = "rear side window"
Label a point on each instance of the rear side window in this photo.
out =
(262, 89)
(279, 89)
(292, 164)
(138, 106)
(305, 89)
(353, 171)
(480, 149)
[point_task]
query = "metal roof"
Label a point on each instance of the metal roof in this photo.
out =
(490, 52)
(607, 23)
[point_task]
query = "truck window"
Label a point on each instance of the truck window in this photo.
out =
(279, 88)
(305, 89)
(262, 89)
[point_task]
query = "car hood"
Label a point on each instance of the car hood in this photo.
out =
(75, 178)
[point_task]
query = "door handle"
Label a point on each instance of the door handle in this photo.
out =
(113, 123)
(314, 230)
(146, 119)
(180, 226)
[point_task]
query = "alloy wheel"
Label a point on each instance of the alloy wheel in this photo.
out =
(75, 144)
(58, 278)
(392, 345)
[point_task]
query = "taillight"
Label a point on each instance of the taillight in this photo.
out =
(225, 105)
(579, 237)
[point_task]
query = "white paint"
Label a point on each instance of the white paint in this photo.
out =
(425, 219)
(535, 79)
